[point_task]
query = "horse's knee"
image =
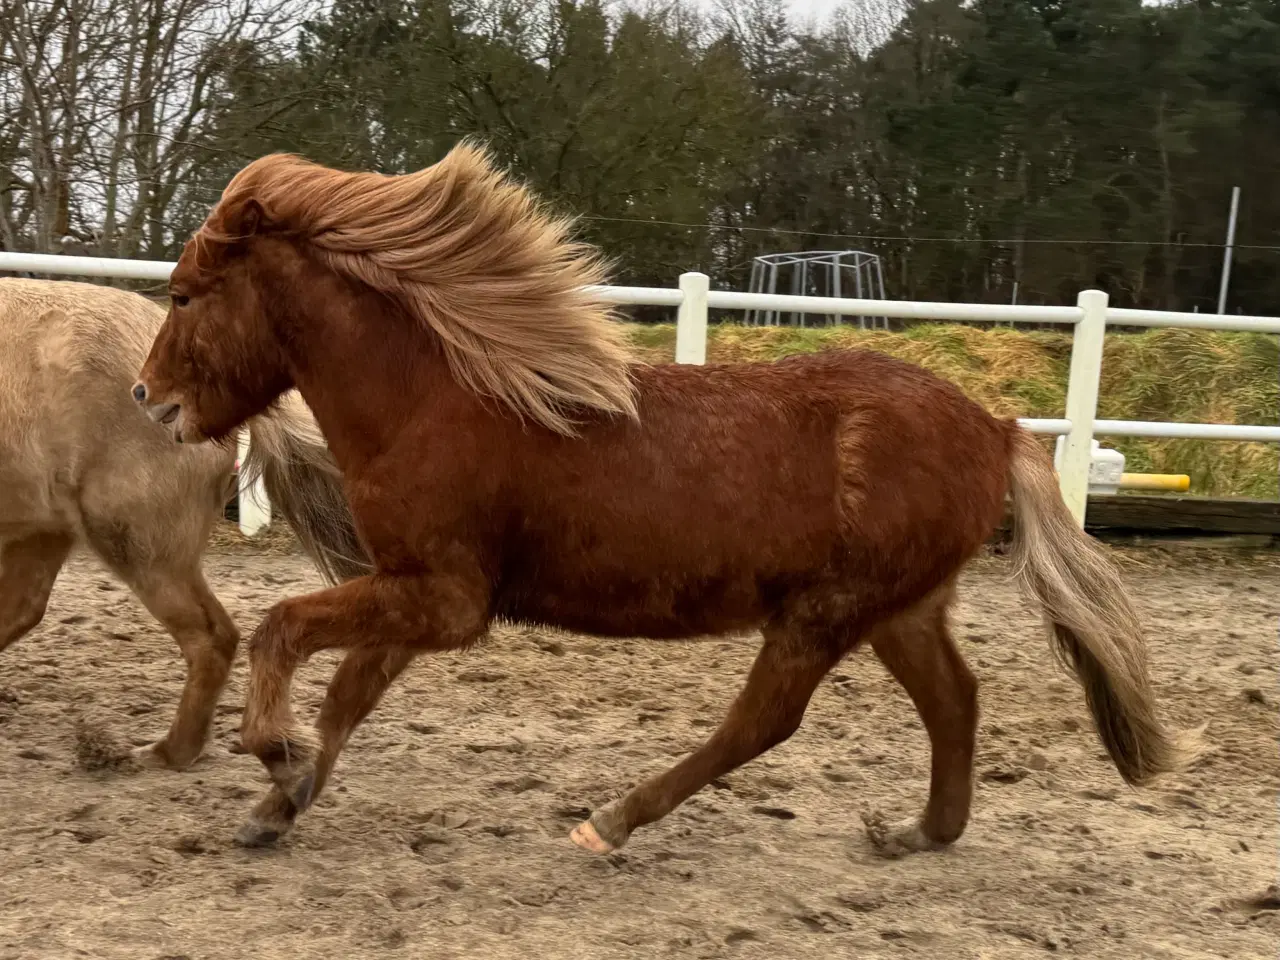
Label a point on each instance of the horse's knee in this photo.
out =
(186, 606)
(223, 635)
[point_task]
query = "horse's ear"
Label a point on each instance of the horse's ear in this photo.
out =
(251, 217)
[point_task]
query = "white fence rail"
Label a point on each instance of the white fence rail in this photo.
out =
(693, 298)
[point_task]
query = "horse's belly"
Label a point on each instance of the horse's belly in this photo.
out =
(25, 502)
(703, 572)
(627, 603)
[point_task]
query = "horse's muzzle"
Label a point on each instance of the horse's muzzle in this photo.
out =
(159, 412)
(166, 413)
(163, 412)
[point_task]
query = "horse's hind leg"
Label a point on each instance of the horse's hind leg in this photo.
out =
(918, 650)
(207, 637)
(159, 559)
(787, 670)
(28, 568)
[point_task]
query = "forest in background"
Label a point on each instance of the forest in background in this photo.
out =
(972, 144)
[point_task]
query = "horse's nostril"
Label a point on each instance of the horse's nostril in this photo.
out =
(139, 392)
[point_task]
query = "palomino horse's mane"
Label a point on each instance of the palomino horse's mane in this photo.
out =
(471, 255)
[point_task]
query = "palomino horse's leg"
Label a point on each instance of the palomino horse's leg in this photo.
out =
(357, 686)
(150, 529)
(28, 568)
(918, 650)
(767, 711)
(375, 615)
(207, 637)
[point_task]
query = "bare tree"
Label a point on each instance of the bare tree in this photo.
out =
(107, 107)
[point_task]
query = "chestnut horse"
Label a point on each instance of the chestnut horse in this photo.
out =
(79, 466)
(504, 458)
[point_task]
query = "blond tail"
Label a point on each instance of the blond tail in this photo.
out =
(1095, 631)
(288, 451)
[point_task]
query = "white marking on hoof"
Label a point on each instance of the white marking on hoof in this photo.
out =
(893, 840)
(150, 757)
(585, 836)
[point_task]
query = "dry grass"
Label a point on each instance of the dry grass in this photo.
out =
(276, 539)
(1170, 375)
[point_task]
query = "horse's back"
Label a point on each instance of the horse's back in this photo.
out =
(60, 334)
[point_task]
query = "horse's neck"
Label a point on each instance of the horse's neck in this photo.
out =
(362, 367)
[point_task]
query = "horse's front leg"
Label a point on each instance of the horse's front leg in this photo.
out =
(382, 619)
(357, 686)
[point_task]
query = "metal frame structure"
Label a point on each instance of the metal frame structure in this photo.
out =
(823, 273)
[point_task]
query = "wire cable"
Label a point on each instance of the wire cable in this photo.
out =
(882, 238)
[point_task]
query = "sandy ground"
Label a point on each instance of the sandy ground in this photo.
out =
(446, 833)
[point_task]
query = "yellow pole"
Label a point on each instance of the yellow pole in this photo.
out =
(1178, 482)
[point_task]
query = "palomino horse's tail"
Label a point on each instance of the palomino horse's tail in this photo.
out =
(288, 451)
(1095, 631)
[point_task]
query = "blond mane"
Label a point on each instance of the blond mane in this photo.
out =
(471, 255)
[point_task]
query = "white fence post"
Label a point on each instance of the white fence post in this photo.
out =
(691, 318)
(251, 498)
(1082, 401)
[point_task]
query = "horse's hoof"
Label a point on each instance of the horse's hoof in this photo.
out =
(149, 757)
(156, 756)
(585, 836)
(893, 840)
(256, 834)
(605, 832)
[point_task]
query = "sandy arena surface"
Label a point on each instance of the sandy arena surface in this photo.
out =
(446, 832)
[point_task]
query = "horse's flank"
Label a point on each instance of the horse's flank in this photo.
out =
(470, 256)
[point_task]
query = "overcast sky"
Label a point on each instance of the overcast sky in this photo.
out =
(801, 10)
(818, 9)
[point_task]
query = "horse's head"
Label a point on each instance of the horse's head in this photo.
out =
(465, 254)
(216, 361)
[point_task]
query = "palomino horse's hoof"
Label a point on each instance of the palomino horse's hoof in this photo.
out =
(156, 756)
(149, 757)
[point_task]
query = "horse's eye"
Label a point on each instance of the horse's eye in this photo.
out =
(180, 301)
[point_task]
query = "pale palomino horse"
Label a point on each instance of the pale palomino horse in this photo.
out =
(81, 465)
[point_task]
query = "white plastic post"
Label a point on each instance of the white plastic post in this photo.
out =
(251, 498)
(691, 318)
(1082, 401)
